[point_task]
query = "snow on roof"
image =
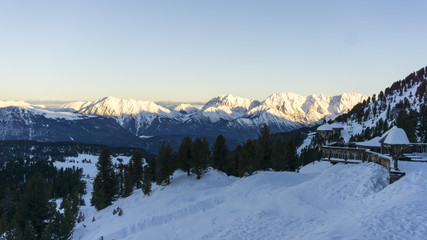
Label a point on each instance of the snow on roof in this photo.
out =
(336, 125)
(374, 142)
(397, 137)
(325, 127)
(386, 133)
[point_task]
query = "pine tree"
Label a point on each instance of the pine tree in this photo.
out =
(248, 160)
(164, 164)
(105, 186)
(61, 226)
(29, 232)
(137, 168)
(146, 181)
(133, 173)
(35, 206)
(407, 123)
(200, 157)
(184, 155)
(266, 148)
(121, 176)
(128, 182)
(291, 155)
(279, 155)
(220, 153)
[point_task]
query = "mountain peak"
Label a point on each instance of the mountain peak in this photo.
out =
(230, 101)
(111, 106)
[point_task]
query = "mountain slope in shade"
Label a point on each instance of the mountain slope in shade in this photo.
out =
(22, 124)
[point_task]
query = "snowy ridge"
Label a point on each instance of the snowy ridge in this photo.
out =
(355, 127)
(111, 106)
(187, 108)
(236, 118)
(41, 110)
(284, 109)
(323, 201)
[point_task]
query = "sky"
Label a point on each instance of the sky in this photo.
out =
(196, 50)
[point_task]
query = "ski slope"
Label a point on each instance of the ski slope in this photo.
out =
(320, 202)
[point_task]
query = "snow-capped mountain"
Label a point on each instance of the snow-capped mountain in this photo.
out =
(186, 108)
(111, 106)
(235, 117)
(286, 108)
(312, 108)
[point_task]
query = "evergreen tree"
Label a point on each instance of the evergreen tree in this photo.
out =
(29, 232)
(133, 173)
(233, 163)
(129, 182)
(279, 155)
(266, 148)
(184, 155)
(422, 127)
(407, 123)
(220, 153)
(35, 206)
(164, 164)
(105, 186)
(137, 168)
(200, 156)
(121, 176)
(248, 160)
(146, 181)
(291, 155)
(152, 165)
(61, 226)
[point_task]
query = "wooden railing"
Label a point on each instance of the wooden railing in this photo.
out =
(330, 153)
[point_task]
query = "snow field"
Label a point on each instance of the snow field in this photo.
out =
(320, 202)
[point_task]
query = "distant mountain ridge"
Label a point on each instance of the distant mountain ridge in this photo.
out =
(292, 106)
(235, 117)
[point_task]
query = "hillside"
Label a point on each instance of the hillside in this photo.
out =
(320, 202)
(404, 104)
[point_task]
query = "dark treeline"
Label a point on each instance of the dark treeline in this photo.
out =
(194, 156)
(27, 209)
(16, 149)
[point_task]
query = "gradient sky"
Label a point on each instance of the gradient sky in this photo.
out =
(196, 50)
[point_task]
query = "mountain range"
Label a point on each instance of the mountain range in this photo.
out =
(129, 122)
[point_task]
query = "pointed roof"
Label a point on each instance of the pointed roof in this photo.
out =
(395, 136)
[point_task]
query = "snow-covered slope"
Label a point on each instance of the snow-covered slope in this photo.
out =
(321, 202)
(312, 108)
(186, 108)
(40, 110)
(111, 106)
(75, 106)
(381, 111)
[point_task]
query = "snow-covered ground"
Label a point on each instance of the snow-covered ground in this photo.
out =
(320, 202)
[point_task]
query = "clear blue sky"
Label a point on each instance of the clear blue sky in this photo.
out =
(195, 50)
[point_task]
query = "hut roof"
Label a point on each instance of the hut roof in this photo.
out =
(325, 127)
(397, 137)
(337, 125)
(374, 142)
